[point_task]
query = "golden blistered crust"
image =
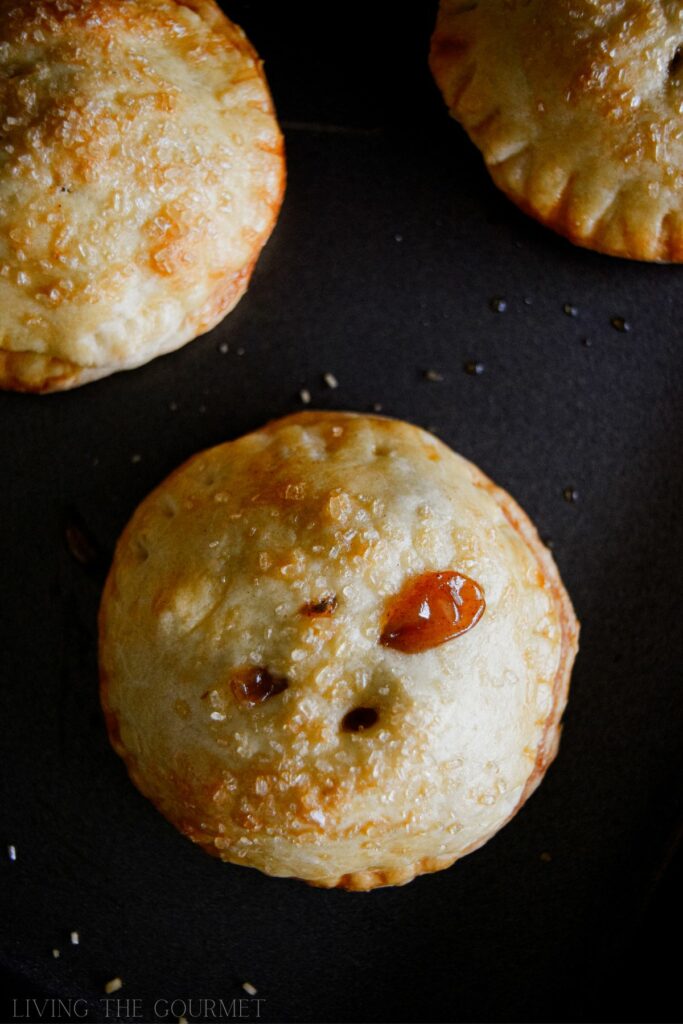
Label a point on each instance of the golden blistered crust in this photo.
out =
(141, 172)
(217, 574)
(577, 107)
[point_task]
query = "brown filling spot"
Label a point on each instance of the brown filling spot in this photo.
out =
(431, 609)
(359, 719)
(325, 606)
(251, 686)
(676, 62)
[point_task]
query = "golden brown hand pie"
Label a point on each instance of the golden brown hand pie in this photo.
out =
(333, 649)
(577, 107)
(141, 171)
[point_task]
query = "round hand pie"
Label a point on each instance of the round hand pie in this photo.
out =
(141, 171)
(333, 649)
(577, 107)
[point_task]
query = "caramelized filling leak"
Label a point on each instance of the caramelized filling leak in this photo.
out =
(431, 609)
(359, 719)
(252, 686)
(325, 606)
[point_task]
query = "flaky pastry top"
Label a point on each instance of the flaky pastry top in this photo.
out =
(280, 552)
(140, 173)
(577, 107)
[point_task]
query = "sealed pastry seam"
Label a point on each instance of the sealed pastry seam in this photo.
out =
(350, 764)
(578, 112)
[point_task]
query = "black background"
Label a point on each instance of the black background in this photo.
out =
(390, 247)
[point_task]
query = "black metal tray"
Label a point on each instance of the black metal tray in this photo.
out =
(391, 246)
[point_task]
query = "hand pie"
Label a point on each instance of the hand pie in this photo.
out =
(141, 171)
(577, 107)
(334, 650)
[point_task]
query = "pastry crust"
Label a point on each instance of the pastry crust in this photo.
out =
(219, 569)
(141, 172)
(577, 107)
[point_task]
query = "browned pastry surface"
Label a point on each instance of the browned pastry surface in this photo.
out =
(577, 107)
(247, 677)
(141, 171)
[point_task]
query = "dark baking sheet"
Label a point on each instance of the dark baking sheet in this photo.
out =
(391, 245)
